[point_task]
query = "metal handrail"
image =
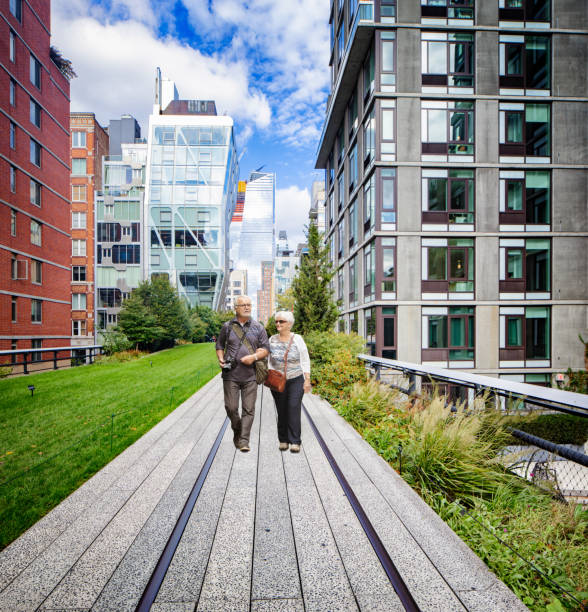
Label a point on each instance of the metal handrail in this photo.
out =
(553, 399)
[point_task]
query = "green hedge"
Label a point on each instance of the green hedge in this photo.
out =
(557, 428)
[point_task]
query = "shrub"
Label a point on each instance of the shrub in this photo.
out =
(121, 356)
(557, 428)
(114, 341)
(333, 380)
(322, 346)
(5, 371)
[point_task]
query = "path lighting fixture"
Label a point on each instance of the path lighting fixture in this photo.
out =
(31, 388)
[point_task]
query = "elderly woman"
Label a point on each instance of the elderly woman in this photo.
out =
(289, 402)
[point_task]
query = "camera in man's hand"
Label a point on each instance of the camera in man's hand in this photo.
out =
(229, 364)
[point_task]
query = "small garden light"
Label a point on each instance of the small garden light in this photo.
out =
(31, 388)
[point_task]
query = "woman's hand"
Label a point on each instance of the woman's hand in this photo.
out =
(307, 387)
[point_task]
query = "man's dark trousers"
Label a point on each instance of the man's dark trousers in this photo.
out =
(248, 391)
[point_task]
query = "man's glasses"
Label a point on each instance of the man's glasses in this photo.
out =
(243, 306)
(281, 321)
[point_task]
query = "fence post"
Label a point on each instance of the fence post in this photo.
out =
(411, 384)
(24, 363)
(377, 367)
(55, 360)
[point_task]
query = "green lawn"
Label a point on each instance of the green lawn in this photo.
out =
(52, 442)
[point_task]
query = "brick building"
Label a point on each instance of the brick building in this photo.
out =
(35, 243)
(89, 143)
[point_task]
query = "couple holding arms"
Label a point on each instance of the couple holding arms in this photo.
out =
(241, 342)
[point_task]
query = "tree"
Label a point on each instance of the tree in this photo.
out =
(154, 315)
(314, 307)
(138, 324)
(286, 300)
(207, 322)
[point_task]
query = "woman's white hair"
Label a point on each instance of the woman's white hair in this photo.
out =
(284, 314)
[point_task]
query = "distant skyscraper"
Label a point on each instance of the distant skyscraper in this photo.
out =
(317, 205)
(192, 172)
(284, 266)
(257, 243)
(265, 295)
(119, 229)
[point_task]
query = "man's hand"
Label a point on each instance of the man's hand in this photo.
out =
(248, 359)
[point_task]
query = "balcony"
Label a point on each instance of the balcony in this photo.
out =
(360, 37)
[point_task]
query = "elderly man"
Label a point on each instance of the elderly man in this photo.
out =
(240, 344)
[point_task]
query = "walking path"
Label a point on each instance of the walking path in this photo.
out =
(270, 531)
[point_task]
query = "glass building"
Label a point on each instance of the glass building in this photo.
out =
(192, 173)
(258, 239)
(456, 184)
(118, 232)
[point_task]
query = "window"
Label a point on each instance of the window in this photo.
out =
(447, 266)
(388, 70)
(447, 61)
(369, 206)
(369, 138)
(340, 42)
(12, 94)
(35, 113)
(12, 137)
(450, 9)
(369, 271)
(389, 338)
(13, 179)
(525, 268)
(388, 144)
(12, 46)
(448, 334)
(36, 271)
(36, 344)
(447, 128)
(109, 298)
(387, 11)
(525, 131)
(35, 189)
(78, 193)
(126, 254)
(369, 329)
(35, 72)
(525, 199)
(352, 115)
(12, 222)
(524, 64)
(524, 10)
(388, 204)
(525, 336)
(78, 301)
(35, 232)
(388, 286)
(78, 248)
(14, 309)
(36, 311)
(78, 274)
(340, 284)
(15, 7)
(78, 140)
(78, 220)
(341, 192)
(353, 322)
(352, 223)
(35, 153)
(447, 199)
(340, 240)
(353, 169)
(340, 146)
(78, 328)
(353, 281)
(78, 166)
(369, 68)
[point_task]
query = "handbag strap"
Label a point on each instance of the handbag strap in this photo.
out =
(286, 354)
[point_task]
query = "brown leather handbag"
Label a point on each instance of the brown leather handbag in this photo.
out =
(276, 380)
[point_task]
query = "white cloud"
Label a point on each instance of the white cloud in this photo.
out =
(292, 206)
(116, 60)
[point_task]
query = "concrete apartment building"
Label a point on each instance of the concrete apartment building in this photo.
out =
(190, 192)
(35, 217)
(455, 146)
(119, 222)
(317, 205)
(89, 143)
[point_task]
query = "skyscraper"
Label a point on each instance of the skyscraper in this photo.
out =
(455, 149)
(191, 188)
(257, 242)
(35, 214)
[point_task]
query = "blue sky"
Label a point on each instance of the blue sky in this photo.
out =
(264, 62)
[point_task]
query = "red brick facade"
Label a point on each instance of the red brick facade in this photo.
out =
(89, 142)
(30, 270)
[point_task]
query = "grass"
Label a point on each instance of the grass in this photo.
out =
(451, 460)
(54, 441)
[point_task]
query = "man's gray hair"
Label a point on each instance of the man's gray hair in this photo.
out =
(242, 297)
(285, 314)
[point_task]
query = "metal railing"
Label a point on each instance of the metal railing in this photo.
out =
(32, 360)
